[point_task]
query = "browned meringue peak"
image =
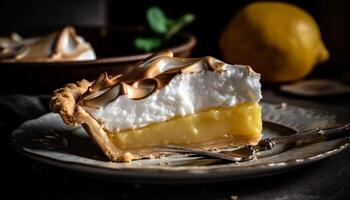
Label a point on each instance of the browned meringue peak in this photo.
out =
(63, 45)
(5, 43)
(145, 78)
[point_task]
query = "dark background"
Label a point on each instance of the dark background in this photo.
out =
(328, 179)
(212, 16)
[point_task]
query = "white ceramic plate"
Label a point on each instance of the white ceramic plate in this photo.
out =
(48, 139)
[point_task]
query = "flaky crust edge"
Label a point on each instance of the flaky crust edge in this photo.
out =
(64, 101)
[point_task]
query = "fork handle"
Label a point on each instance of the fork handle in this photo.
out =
(335, 131)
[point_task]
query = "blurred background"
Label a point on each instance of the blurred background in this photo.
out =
(332, 17)
(212, 19)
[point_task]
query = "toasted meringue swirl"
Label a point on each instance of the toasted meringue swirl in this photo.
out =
(145, 78)
(62, 45)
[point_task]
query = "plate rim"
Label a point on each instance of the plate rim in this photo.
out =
(214, 171)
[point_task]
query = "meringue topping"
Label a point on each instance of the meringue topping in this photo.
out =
(163, 87)
(145, 78)
(63, 45)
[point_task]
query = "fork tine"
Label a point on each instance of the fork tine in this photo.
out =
(181, 149)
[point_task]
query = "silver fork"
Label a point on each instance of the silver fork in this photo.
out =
(248, 152)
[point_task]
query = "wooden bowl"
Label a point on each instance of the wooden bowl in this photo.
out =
(114, 50)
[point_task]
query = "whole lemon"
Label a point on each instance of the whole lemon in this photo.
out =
(279, 40)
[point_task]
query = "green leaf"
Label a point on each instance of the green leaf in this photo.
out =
(164, 29)
(147, 44)
(179, 24)
(157, 20)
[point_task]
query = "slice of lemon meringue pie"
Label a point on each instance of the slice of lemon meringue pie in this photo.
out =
(198, 102)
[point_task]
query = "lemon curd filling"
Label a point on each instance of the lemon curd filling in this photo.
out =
(242, 122)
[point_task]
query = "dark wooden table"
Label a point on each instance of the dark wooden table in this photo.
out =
(327, 179)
